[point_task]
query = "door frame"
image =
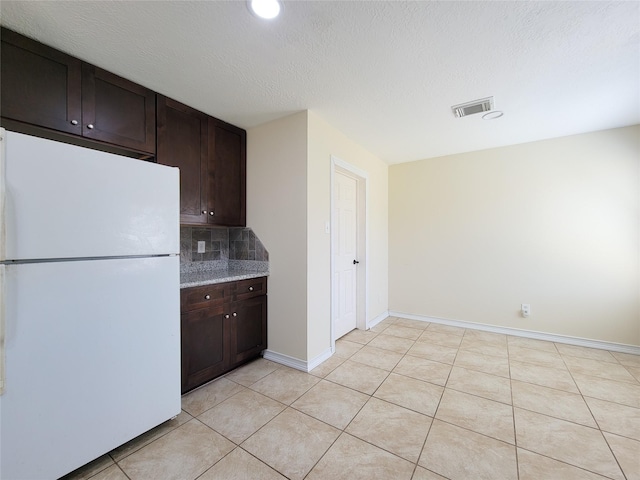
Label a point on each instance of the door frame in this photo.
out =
(362, 277)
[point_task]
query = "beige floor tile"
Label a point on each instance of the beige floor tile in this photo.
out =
(331, 403)
(476, 346)
(376, 357)
(456, 453)
(148, 437)
(90, 469)
(239, 465)
(410, 393)
(360, 336)
(252, 372)
(538, 357)
(360, 377)
(182, 454)
(635, 371)
(291, 443)
(616, 418)
(439, 327)
(403, 332)
(585, 352)
(532, 344)
(424, 474)
(627, 359)
(483, 416)
(328, 366)
(612, 391)
(560, 379)
(352, 459)
(596, 368)
(483, 363)
(437, 353)
(392, 343)
(378, 328)
(568, 442)
(345, 348)
(111, 473)
(532, 466)
(627, 452)
(209, 395)
(393, 428)
(240, 416)
(486, 337)
(423, 369)
(440, 338)
(555, 403)
(285, 385)
(481, 384)
(418, 324)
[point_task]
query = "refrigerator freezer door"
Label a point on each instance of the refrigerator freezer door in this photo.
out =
(64, 201)
(93, 360)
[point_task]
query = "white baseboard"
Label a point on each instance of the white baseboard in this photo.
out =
(373, 322)
(283, 359)
(296, 363)
(550, 337)
(314, 362)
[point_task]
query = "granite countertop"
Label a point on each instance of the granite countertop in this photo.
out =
(209, 277)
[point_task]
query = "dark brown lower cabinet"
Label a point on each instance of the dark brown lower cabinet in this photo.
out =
(222, 326)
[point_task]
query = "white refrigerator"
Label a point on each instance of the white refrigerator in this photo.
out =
(89, 307)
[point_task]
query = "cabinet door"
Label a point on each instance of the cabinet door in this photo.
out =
(183, 143)
(227, 173)
(249, 329)
(117, 111)
(204, 341)
(40, 85)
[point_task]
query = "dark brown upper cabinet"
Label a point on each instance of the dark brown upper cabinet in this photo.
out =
(183, 143)
(47, 89)
(40, 85)
(211, 155)
(227, 173)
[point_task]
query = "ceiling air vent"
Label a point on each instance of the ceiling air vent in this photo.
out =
(469, 108)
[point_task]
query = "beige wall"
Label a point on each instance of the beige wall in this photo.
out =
(288, 205)
(277, 213)
(323, 142)
(552, 223)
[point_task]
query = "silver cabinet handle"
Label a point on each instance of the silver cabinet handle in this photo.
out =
(90, 126)
(251, 289)
(207, 297)
(234, 314)
(74, 122)
(204, 212)
(226, 316)
(212, 213)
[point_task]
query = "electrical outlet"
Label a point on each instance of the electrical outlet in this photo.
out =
(201, 246)
(525, 308)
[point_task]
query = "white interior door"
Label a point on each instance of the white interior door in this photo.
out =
(344, 249)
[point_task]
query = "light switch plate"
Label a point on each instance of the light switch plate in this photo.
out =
(201, 246)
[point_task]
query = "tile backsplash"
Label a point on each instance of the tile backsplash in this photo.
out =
(222, 245)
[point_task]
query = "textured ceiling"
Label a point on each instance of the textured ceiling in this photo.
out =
(383, 73)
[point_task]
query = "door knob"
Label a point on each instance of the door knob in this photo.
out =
(355, 262)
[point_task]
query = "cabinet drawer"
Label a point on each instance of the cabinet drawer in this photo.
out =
(253, 287)
(204, 297)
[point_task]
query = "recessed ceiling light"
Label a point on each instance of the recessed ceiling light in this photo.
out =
(492, 115)
(267, 9)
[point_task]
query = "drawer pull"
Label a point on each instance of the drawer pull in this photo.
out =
(226, 316)
(234, 314)
(251, 289)
(207, 297)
